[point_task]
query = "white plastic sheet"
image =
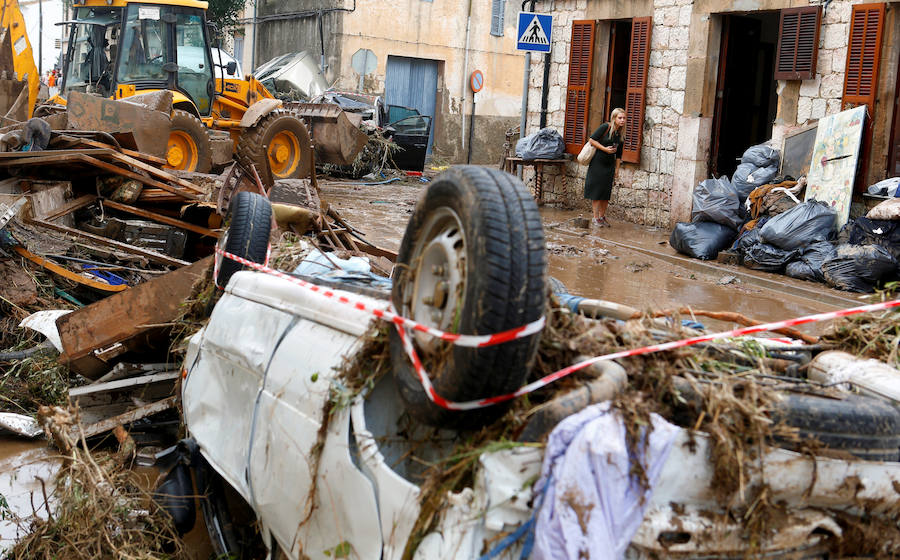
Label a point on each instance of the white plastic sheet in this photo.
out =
(592, 506)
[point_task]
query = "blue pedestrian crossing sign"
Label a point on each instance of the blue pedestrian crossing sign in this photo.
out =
(534, 32)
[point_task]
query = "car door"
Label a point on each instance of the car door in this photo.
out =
(411, 135)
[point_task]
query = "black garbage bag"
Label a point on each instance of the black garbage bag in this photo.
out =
(808, 266)
(716, 200)
(859, 268)
(886, 233)
(803, 224)
(746, 240)
(701, 240)
(761, 155)
(546, 143)
(748, 176)
(762, 256)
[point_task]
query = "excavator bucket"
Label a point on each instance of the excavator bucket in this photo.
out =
(337, 139)
(19, 80)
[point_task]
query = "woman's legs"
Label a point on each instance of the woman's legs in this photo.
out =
(600, 208)
(595, 208)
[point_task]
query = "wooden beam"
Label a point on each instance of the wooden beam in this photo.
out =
(38, 154)
(138, 177)
(104, 426)
(130, 153)
(160, 218)
(157, 172)
(68, 274)
(70, 206)
(152, 255)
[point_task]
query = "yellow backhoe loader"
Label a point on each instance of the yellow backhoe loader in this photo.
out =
(122, 48)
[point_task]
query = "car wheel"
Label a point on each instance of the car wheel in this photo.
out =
(189, 147)
(247, 235)
(471, 261)
(229, 519)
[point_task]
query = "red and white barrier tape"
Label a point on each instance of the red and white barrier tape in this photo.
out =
(469, 340)
(477, 341)
(437, 399)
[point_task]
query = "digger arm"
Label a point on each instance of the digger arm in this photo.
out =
(16, 56)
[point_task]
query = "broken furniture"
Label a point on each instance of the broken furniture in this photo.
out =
(512, 163)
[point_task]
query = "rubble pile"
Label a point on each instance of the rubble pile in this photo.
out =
(763, 223)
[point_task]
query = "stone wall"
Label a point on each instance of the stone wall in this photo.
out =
(680, 98)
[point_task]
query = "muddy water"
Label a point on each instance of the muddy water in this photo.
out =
(22, 466)
(594, 264)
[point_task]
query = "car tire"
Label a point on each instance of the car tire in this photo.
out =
(865, 427)
(247, 235)
(278, 146)
(475, 243)
(189, 147)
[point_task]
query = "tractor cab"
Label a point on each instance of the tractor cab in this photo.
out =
(119, 48)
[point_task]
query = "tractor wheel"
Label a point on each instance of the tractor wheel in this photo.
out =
(278, 146)
(189, 146)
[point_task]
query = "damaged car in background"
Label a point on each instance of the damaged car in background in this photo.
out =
(311, 419)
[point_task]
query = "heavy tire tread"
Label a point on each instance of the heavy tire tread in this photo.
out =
(251, 149)
(248, 232)
(183, 120)
(511, 279)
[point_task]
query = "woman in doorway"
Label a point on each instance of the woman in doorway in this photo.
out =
(602, 169)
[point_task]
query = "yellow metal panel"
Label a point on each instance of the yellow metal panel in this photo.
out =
(122, 3)
(22, 55)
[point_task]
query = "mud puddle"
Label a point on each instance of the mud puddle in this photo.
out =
(591, 262)
(23, 464)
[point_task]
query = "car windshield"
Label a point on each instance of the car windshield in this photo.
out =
(92, 49)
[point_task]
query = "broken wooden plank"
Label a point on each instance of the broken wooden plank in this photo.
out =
(130, 153)
(146, 253)
(71, 206)
(157, 172)
(126, 315)
(160, 218)
(67, 156)
(68, 274)
(99, 393)
(138, 177)
(38, 157)
(128, 417)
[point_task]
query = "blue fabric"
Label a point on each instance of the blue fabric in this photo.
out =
(570, 301)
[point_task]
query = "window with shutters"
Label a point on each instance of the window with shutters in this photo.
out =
(581, 58)
(636, 92)
(798, 43)
(498, 8)
(578, 95)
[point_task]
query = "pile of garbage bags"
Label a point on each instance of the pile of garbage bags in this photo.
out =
(796, 238)
(546, 143)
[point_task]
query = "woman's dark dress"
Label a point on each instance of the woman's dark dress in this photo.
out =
(602, 169)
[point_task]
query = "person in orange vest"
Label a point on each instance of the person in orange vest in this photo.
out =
(51, 79)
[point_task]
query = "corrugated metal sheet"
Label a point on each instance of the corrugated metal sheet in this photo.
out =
(412, 82)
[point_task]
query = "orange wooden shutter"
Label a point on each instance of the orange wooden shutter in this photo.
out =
(578, 95)
(798, 43)
(861, 77)
(635, 96)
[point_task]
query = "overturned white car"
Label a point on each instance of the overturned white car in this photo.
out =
(334, 468)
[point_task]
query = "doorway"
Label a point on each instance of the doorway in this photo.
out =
(746, 98)
(617, 66)
(412, 82)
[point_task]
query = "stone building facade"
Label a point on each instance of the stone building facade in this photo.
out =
(681, 134)
(452, 38)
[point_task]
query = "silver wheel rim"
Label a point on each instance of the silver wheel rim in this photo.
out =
(439, 276)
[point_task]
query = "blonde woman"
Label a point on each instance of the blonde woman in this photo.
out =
(602, 169)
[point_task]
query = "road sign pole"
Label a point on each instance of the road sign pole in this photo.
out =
(524, 101)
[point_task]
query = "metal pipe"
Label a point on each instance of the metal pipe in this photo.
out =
(526, 78)
(253, 43)
(465, 78)
(471, 130)
(40, 40)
